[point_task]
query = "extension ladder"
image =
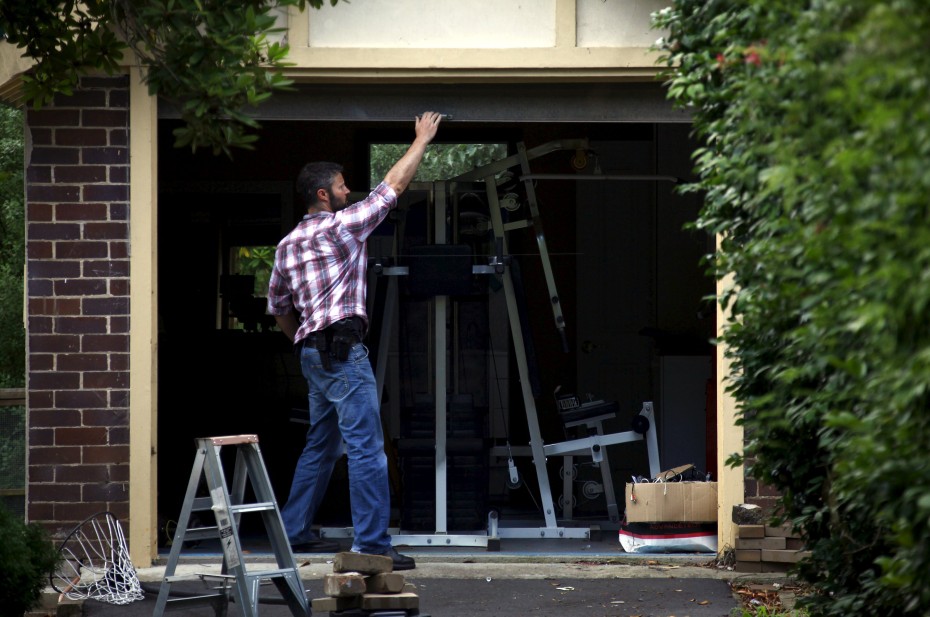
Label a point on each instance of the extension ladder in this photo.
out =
(227, 508)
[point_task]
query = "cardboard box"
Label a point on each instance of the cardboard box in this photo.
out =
(648, 502)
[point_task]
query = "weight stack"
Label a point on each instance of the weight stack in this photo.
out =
(466, 466)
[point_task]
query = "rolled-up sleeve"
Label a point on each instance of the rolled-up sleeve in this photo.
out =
(279, 295)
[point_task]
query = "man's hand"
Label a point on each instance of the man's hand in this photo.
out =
(405, 169)
(427, 125)
(288, 324)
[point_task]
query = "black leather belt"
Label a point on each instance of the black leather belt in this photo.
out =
(335, 339)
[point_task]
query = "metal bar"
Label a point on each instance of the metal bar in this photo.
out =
(613, 513)
(516, 225)
(578, 533)
(495, 167)
(404, 271)
(652, 446)
(440, 306)
(516, 332)
(387, 319)
(384, 341)
(568, 491)
(543, 249)
(479, 539)
(585, 445)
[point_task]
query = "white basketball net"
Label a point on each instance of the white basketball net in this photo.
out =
(95, 563)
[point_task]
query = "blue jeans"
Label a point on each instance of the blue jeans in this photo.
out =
(343, 406)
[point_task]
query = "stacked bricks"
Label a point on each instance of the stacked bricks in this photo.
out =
(77, 264)
(763, 548)
(366, 583)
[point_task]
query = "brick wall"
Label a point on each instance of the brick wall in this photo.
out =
(77, 251)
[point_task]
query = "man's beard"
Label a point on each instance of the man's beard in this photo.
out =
(336, 203)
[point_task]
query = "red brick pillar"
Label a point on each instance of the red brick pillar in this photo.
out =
(77, 251)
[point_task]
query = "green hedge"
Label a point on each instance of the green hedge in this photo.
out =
(28, 557)
(816, 174)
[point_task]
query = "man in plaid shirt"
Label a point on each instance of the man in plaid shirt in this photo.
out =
(317, 296)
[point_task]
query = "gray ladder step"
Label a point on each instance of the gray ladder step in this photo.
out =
(201, 533)
(186, 577)
(253, 507)
(203, 599)
(277, 573)
(204, 504)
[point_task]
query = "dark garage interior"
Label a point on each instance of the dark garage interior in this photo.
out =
(631, 286)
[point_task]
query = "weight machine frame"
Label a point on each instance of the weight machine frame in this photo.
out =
(499, 265)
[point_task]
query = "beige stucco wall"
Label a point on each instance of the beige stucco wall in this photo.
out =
(441, 24)
(473, 41)
(513, 25)
(467, 40)
(612, 23)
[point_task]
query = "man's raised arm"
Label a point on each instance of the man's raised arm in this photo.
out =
(405, 168)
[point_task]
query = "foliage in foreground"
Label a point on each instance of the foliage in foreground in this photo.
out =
(816, 121)
(209, 58)
(27, 556)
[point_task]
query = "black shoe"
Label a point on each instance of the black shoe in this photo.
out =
(317, 545)
(401, 562)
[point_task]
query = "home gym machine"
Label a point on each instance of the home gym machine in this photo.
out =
(589, 415)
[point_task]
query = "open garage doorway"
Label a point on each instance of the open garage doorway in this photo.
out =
(632, 290)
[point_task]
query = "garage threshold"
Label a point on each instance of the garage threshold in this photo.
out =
(603, 550)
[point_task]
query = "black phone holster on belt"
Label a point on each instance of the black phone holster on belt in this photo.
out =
(336, 340)
(344, 334)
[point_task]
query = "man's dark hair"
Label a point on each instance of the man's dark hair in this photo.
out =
(315, 176)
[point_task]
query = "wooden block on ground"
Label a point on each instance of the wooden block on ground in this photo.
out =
(409, 588)
(329, 605)
(344, 584)
(384, 601)
(386, 582)
(751, 531)
(777, 544)
(748, 554)
(748, 566)
(782, 531)
(783, 556)
(362, 563)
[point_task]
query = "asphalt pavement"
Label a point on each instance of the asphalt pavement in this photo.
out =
(558, 597)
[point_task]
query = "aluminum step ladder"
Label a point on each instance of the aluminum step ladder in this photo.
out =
(227, 507)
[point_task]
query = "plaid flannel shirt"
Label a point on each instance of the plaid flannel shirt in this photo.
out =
(320, 268)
